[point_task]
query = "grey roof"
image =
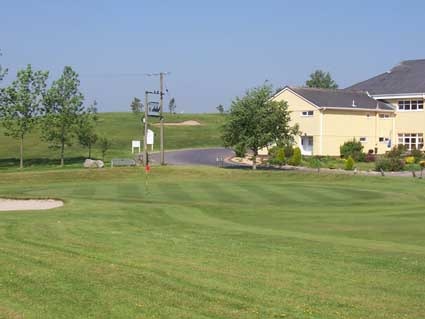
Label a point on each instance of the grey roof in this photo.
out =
(340, 99)
(407, 77)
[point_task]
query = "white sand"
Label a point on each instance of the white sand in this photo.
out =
(28, 204)
(185, 123)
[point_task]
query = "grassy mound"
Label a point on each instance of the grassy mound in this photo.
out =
(211, 243)
(122, 128)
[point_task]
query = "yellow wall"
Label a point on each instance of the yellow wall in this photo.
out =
(408, 121)
(340, 126)
(308, 125)
(330, 128)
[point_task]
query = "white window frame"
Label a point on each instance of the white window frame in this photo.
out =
(363, 139)
(307, 113)
(419, 105)
(406, 139)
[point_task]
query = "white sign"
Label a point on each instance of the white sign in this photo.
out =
(150, 137)
(135, 144)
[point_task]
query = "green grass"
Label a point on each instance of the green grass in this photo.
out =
(122, 128)
(211, 243)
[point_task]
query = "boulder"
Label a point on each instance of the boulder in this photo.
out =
(100, 164)
(89, 163)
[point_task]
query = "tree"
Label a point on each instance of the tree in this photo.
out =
(220, 109)
(21, 104)
(3, 72)
(321, 79)
(105, 145)
(257, 121)
(87, 136)
(172, 105)
(63, 111)
(136, 106)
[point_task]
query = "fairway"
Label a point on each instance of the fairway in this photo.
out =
(212, 243)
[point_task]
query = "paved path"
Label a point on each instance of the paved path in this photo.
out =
(194, 156)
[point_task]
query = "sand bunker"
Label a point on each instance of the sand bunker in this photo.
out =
(28, 204)
(185, 123)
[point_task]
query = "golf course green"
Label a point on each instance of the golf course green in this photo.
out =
(212, 243)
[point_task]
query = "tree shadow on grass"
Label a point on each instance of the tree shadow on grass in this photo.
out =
(14, 162)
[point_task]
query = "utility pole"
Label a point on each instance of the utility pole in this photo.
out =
(161, 118)
(145, 139)
(161, 110)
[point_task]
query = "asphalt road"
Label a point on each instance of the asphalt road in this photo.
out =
(194, 156)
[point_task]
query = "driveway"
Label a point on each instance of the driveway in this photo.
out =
(194, 156)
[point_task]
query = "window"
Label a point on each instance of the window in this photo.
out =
(363, 139)
(413, 141)
(410, 105)
(384, 116)
(307, 113)
(384, 140)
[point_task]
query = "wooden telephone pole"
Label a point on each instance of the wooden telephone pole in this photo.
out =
(145, 139)
(161, 111)
(161, 118)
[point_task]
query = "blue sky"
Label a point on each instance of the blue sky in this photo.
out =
(214, 50)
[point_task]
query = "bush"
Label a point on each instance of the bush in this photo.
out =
(354, 149)
(296, 157)
(417, 154)
(396, 151)
(240, 150)
(389, 164)
(410, 160)
(289, 151)
(277, 156)
(349, 164)
(315, 162)
(370, 157)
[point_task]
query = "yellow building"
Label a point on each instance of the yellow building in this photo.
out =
(380, 112)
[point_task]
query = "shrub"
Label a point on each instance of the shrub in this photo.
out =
(410, 160)
(314, 162)
(349, 164)
(417, 154)
(289, 151)
(277, 156)
(240, 150)
(370, 157)
(396, 151)
(389, 164)
(352, 148)
(296, 157)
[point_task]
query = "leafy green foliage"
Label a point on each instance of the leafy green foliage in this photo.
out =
(105, 144)
(296, 157)
(63, 110)
(389, 164)
(3, 72)
(417, 154)
(20, 106)
(349, 164)
(255, 121)
(87, 136)
(321, 79)
(315, 162)
(220, 109)
(136, 106)
(396, 152)
(172, 105)
(354, 149)
(277, 156)
(240, 150)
